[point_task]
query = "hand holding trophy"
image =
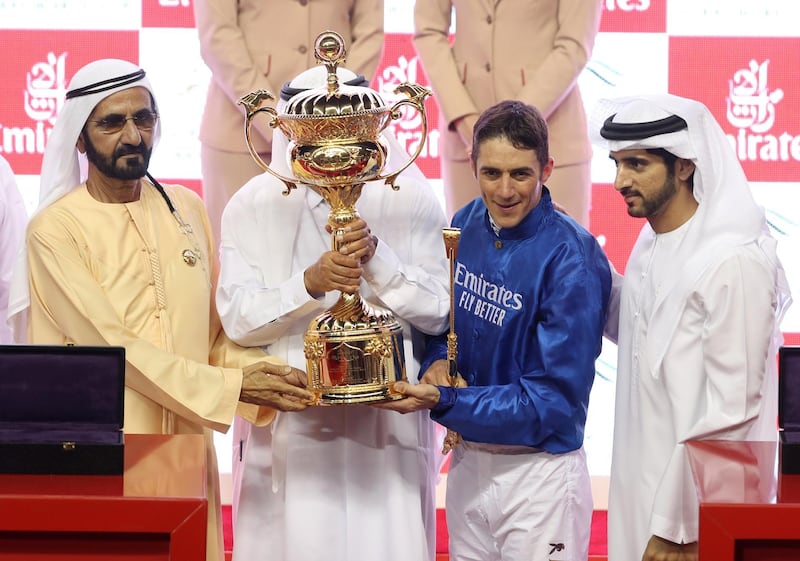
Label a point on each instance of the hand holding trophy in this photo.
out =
(353, 350)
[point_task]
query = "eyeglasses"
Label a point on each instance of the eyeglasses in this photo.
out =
(144, 121)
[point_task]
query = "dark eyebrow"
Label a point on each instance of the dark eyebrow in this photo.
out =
(142, 111)
(632, 158)
(527, 169)
(106, 115)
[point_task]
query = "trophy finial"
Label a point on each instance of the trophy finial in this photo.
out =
(329, 50)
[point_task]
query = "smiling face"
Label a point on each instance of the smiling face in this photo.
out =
(510, 180)
(125, 153)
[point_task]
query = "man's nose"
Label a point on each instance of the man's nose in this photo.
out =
(506, 186)
(622, 180)
(131, 133)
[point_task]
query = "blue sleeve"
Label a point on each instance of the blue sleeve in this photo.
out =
(549, 369)
(435, 349)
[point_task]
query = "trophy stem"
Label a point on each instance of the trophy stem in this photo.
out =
(342, 200)
(354, 352)
(352, 312)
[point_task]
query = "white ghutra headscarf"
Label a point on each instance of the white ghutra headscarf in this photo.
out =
(61, 165)
(727, 215)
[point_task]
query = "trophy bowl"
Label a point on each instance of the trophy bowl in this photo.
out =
(353, 350)
(356, 162)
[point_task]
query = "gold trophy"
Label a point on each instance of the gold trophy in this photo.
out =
(354, 351)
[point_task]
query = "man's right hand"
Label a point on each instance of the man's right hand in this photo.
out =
(438, 374)
(333, 271)
(276, 386)
(659, 549)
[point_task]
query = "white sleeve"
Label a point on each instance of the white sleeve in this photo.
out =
(13, 218)
(739, 301)
(253, 311)
(415, 289)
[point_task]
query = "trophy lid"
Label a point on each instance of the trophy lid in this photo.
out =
(334, 99)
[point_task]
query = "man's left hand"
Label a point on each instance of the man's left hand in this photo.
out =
(272, 385)
(358, 241)
(659, 549)
(415, 397)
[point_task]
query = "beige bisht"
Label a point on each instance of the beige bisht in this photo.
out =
(134, 275)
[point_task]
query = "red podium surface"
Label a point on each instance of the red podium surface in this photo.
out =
(155, 511)
(748, 510)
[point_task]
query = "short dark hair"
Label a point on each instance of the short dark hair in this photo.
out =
(519, 123)
(668, 157)
(669, 161)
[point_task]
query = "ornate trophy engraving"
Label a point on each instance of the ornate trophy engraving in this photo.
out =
(354, 351)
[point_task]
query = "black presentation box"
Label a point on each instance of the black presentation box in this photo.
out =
(789, 408)
(61, 409)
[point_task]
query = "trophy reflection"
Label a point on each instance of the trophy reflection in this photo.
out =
(353, 350)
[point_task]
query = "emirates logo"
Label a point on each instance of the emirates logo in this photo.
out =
(751, 108)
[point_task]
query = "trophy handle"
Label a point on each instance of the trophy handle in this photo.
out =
(416, 98)
(252, 103)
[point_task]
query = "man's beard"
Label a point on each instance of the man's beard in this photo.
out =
(654, 203)
(131, 168)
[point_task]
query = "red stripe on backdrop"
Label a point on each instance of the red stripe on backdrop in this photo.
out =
(792, 339)
(195, 185)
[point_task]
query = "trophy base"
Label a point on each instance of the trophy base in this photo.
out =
(354, 362)
(352, 395)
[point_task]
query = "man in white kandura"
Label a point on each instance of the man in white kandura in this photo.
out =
(696, 317)
(346, 482)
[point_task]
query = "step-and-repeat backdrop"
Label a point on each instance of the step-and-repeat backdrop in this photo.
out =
(739, 57)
